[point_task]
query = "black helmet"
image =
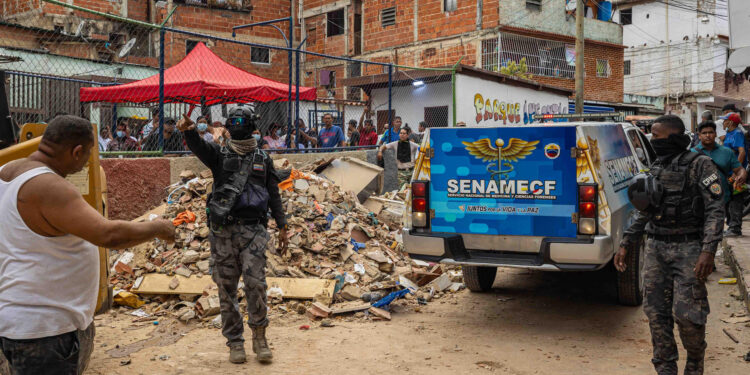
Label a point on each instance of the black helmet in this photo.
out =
(241, 122)
(645, 192)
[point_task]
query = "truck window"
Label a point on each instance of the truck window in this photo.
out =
(640, 149)
(647, 145)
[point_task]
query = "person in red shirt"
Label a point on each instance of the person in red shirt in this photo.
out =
(368, 137)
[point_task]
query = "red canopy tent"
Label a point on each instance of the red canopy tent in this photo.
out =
(201, 78)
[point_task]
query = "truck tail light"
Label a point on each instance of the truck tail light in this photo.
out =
(587, 208)
(420, 206)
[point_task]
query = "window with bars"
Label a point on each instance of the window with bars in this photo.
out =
(626, 16)
(626, 67)
(244, 5)
(602, 68)
(388, 17)
(450, 5)
(335, 20)
(545, 58)
(260, 55)
(534, 4)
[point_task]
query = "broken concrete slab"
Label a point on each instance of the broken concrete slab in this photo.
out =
(318, 311)
(380, 313)
(301, 185)
(348, 307)
(377, 256)
(350, 292)
(209, 305)
(203, 266)
(190, 256)
(174, 283)
(442, 283)
(361, 178)
(406, 283)
(183, 271)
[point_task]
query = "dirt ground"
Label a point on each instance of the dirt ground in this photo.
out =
(532, 323)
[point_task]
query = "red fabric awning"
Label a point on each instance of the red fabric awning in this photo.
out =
(200, 75)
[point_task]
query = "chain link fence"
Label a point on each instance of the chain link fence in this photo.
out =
(135, 80)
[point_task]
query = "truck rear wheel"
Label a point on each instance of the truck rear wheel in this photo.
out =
(630, 282)
(479, 279)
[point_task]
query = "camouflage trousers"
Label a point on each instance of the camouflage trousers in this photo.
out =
(67, 354)
(404, 176)
(734, 212)
(672, 294)
(240, 250)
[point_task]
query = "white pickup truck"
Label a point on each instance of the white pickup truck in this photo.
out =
(546, 197)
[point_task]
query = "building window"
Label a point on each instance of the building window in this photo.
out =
(260, 55)
(335, 22)
(602, 68)
(233, 5)
(626, 67)
(189, 45)
(436, 117)
(626, 16)
(388, 17)
(450, 5)
(546, 58)
(534, 4)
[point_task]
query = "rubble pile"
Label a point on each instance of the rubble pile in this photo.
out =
(343, 256)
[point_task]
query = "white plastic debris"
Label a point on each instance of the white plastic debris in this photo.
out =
(359, 268)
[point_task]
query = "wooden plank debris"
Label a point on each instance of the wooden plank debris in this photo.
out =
(297, 288)
(159, 283)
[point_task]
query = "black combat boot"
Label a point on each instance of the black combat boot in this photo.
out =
(260, 345)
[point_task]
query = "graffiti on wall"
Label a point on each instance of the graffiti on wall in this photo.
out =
(492, 112)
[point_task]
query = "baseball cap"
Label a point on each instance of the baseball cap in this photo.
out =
(733, 117)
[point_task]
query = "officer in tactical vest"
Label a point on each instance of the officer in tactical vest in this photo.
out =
(245, 187)
(681, 211)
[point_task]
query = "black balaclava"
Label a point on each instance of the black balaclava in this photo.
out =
(670, 146)
(245, 130)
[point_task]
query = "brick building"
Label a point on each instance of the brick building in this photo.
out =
(40, 38)
(486, 34)
(87, 34)
(437, 33)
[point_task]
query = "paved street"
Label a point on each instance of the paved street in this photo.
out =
(532, 323)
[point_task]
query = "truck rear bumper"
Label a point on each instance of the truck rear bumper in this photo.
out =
(554, 254)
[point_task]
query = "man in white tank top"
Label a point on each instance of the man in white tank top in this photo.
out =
(49, 262)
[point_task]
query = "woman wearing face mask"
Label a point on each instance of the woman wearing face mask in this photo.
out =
(262, 144)
(202, 128)
(274, 139)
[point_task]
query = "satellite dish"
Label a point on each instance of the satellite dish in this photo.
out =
(126, 49)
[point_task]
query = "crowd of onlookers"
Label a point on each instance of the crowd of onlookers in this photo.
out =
(135, 135)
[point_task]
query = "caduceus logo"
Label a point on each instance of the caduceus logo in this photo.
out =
(504, 154)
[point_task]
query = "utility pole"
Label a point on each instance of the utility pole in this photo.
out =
(669, 56)
(579, 55)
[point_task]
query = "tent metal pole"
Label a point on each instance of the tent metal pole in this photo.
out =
(296, 91)
(390, 96)
(161, 90)
(290, 43)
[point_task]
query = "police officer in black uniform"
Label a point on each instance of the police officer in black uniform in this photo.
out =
(681, 211)
(245, 187)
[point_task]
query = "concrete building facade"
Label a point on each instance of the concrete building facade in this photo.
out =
(682, 64)
(486, 34)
